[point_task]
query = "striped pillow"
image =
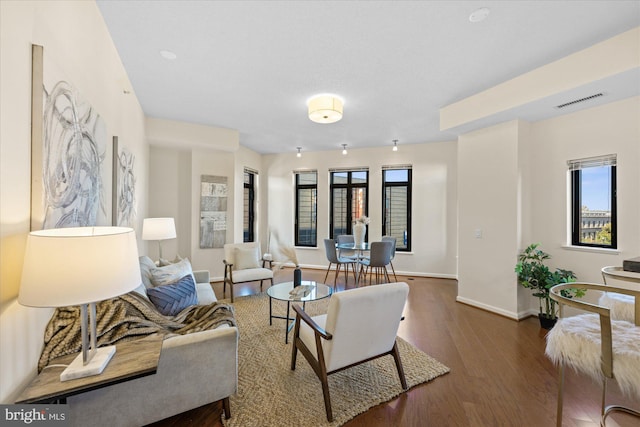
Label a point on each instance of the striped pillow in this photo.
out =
(171, 299)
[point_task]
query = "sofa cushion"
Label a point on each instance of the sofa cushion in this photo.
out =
(146, 265)
(172, 298)
(171, 273)
(252, 274)
(246, 258)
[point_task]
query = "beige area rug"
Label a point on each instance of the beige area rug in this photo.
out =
(271, 394)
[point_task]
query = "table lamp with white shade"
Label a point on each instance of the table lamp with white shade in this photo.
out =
(158, 229)
(80, 266)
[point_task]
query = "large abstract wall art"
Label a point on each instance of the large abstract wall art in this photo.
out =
(68, 143)
(124, 186)
(213, 211)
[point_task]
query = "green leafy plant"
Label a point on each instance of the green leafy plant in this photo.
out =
(535, 275)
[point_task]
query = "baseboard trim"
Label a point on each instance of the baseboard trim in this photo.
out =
(496, 310)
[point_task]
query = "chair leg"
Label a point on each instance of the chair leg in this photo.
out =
(394, 272)
(226, 406)
(396, 357)
(231, 290)
(327, 275)
(261, 284)
(560, 393)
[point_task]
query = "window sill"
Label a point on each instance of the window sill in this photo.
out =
(592, 250)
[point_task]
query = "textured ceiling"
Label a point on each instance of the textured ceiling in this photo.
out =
(251, 65)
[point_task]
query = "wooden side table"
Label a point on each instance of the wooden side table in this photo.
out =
(133, 359)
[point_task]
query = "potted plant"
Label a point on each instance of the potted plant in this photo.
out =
(534, 275)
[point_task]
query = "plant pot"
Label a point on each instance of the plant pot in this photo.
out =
(547, 322)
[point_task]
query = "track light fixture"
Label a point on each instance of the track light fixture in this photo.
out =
(395, 145)
(344, 149)
(299, 153)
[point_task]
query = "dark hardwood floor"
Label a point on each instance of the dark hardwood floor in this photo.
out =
(499, 374)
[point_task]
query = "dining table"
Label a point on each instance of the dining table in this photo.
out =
(360, 248)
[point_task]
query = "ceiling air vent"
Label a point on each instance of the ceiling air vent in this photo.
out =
(587, 98)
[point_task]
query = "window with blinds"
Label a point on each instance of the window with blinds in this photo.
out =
(349, 198)
(396, 205)
(306, 202)
(593, 201)
(248, 219)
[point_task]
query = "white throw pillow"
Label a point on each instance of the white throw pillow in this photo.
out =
(171, 273)
(246, 258)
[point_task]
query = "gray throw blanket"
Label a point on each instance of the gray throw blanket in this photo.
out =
(126, 318)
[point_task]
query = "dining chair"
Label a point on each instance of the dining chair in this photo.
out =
(347, 253)
(596, 345)
(393, 253)
(379, 258)
(334, 258)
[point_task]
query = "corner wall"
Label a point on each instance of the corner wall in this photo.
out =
(75, 35)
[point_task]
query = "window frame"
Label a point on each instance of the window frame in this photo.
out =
(248, 235)
(349, 186)
(409, 185)
(576, 168)
(297, 188)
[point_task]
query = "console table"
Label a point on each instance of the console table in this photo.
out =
(133, 359)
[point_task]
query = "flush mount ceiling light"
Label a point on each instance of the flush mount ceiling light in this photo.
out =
(299, 153)
(395, 145)
(479, 15)
(325, 108)
(344, 149)
(167, 54)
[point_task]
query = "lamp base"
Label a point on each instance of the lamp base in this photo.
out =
(95, 366)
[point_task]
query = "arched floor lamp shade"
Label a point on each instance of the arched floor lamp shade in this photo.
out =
(80, 266)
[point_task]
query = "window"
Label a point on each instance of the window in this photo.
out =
(306, 227)
(249, 205)
(349, 197)
(593, 202)
(396, 205)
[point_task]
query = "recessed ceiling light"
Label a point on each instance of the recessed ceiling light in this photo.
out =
(167, 54)
(479, 15)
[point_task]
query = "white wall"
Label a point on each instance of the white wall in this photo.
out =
(513, 185)
(74, 34)
(612, 128)
(434, 224)
(488, 217)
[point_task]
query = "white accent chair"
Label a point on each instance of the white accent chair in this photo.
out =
(244, 263)
(596, 345)
(360, 325)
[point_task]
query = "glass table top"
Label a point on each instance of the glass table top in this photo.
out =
(308, 291)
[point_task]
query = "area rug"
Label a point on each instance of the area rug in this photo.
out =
(271, 394)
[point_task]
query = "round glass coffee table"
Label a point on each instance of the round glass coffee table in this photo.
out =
(308, 291)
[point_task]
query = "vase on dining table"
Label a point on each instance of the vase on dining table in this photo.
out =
(359, 231)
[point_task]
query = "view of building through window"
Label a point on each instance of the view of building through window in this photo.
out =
(594, 205)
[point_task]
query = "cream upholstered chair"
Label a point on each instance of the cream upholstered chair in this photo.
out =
(244, 263)
(360, 325)
(596, 345)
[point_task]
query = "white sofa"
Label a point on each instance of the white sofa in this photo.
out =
(194, 370)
